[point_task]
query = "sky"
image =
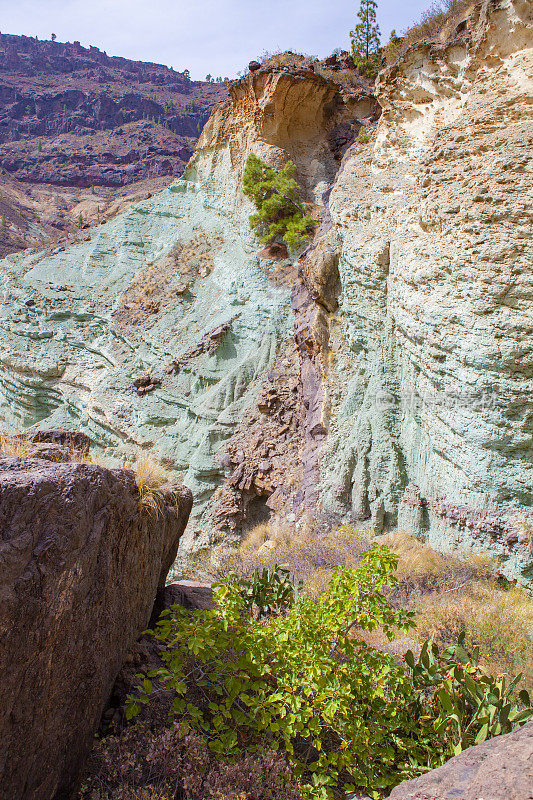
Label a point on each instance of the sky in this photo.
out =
(218, 37)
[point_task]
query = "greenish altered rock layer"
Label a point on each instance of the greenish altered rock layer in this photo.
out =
(386, 377)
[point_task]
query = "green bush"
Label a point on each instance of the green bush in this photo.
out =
(267, 591)
(346, 714)
(304, 683)
(280, 211)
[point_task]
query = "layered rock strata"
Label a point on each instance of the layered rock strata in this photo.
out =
(430, 386)
(82, 561)
(158, 330)
(384, 377)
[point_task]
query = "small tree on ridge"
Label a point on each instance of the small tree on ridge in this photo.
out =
(366, 39)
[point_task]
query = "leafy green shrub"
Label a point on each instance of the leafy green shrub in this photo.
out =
(345, 714)
(280, 211)
(471, 705)
(267, 591)
(305, 683)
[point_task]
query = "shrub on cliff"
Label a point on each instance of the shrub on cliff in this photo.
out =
(276, 194)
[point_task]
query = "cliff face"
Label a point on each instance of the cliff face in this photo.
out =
(385, 377)
(157, 330)
(430, 388)
(75, 118)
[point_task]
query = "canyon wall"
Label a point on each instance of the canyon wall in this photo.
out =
(156, 331)
(430, 383)
(385, 376)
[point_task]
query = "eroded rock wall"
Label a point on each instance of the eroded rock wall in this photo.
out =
(157, 331)
(385, 377)
(431, 383)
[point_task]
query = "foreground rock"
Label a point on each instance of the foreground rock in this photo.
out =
(501, 769)
(81, 564)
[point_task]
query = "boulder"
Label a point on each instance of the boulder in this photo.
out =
(81, 561)
(75, 440)
(500, 769)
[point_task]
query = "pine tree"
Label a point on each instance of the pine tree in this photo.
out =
(366, 39)
(281, 214)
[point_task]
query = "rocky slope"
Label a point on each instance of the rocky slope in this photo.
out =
(430, 390)
(173, 288)
(74, 117)
(385, 377)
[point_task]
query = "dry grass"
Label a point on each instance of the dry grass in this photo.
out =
(449, 593)
(309, 553)
(150, 476)
(437, 23)
(14, 446)
(499, 620)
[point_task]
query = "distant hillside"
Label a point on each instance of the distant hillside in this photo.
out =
(77, 118)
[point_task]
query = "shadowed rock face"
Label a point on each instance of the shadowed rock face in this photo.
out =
(81, 564)
(501, 769)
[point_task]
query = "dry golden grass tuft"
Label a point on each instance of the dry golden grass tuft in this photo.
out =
(16, 447)
(150, 476)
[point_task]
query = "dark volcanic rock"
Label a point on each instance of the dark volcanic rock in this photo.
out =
(81, 564)
(75, 440)
(50, 90)
(501, 769)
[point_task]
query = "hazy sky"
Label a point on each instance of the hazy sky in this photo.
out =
(215, 36)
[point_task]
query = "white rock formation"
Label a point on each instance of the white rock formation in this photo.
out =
(434, 337)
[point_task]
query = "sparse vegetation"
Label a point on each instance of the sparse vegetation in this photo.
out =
(437, 23)
(281, 214)
(362, 137)
(150, 476)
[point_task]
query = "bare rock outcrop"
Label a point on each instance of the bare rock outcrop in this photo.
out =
(81, 563)
(500, 769)
(430, 383)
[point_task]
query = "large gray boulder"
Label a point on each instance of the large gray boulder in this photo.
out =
(500, 769)
(81, 563)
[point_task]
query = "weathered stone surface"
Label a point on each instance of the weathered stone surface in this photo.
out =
(81, 563)
(77, 441)
(409, 331)
(431, 375)
(173, 288)
(500, 769)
